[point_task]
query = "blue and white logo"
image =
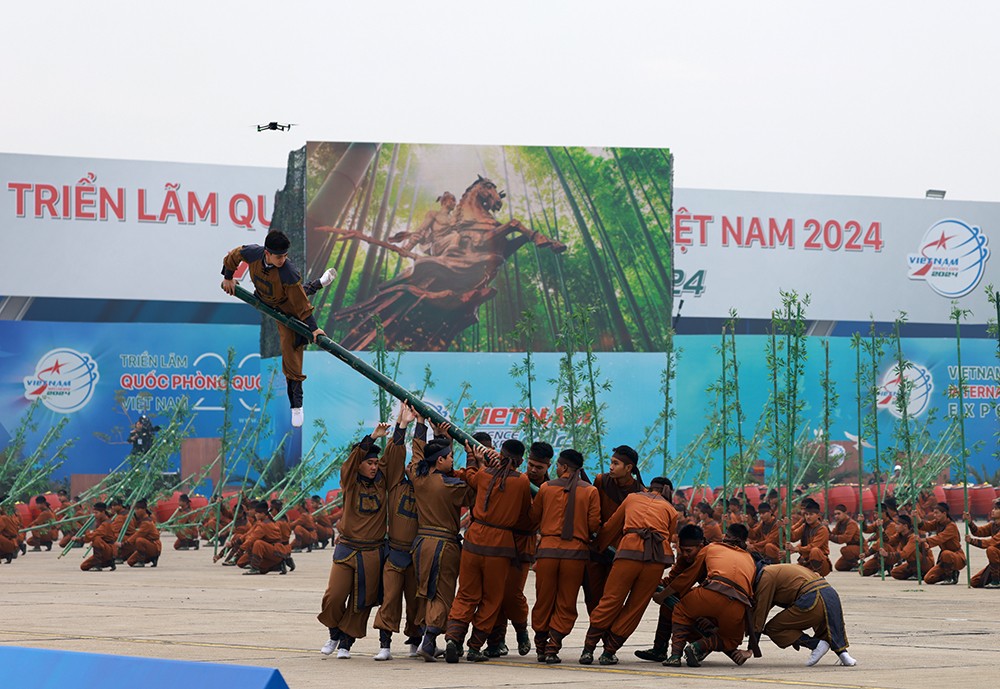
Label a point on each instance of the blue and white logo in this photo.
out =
(952, 258)
(64, 380)
(921, 385)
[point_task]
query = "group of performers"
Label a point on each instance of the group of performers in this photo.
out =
(400, 540)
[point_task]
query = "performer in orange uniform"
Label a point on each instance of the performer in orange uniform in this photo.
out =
(814, 538)
(909, 551)
(951, 559)
(145, 541)
(988, 538)
(102, 539)
(622, 479)
(725, 573)
(503, 495)
(645, 523)
(567, 511)
(847, 533)
(9, 527)
(765, 536)
(42, 534)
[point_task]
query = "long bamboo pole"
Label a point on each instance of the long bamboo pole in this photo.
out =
(903, 399)
(878, 479)
(957, 314)
(359, 365)
(725, 435)
(856, 342)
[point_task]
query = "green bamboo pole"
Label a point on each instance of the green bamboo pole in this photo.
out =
(790, 450)
(856, 343)
(957, 314)
(725, 435)
(380, 379)
(903, 402)
(826, 429)
(874, 406)
(739, 409)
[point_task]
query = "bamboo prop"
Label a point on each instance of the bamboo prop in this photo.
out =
(668, 375)
(596, 407)
(328, 345)
(856, 344)
(829, 398)
(789, 429)
(725, 434)
(957, 314)
(35, 472)
(875, 349)
(74, 542)
(253, 491)
(902, 404)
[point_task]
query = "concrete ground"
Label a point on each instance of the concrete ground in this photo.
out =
(902, 634)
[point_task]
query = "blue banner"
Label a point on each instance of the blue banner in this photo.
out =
(103, 376)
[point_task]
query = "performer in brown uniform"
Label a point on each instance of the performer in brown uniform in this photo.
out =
(847, 533)
(951, 559)
(814, 539)
(42, 534)
(646, 524)
(278, 284)
(102, 539)
(874, 562)
(503, 496)
(725, 573)
(440, 494)
(809, 602)
(622, 479)
(355, 575)
(690, 541)
(906, 556)
(145, 541)
(212, 526)
(567, 511)
(988, 538)
(765, 536)
(123, 524)
(399, 580)
(9, 527)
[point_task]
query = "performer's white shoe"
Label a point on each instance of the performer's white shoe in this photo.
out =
(413, 650)
(298, 417)
(821, 650)
(383, 654)
(328, 276)
(844, 658)
(329, 647)
(343, 654)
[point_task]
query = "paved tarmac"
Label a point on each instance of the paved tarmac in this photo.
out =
(902, 634)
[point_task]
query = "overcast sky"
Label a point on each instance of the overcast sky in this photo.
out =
(871, 98)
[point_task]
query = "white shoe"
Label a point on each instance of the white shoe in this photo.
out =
(820, 651)
(328, 276)
(343, 654)
(383, 654)
(413, 650)
(298, 417)
(328, 647)
(844, 658)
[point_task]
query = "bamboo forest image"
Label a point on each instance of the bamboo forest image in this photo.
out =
(451, 247)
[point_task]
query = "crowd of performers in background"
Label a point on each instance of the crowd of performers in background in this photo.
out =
(456, 545)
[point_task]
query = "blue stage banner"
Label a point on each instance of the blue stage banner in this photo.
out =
(103, 376)
(481, 392)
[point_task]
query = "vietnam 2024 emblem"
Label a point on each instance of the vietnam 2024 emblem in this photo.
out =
(64, 380)
(952, 258)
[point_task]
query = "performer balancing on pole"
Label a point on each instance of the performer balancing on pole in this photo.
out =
(277, 284)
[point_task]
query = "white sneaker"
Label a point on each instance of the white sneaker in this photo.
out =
(343, 654)
(844, 658)
(383, 654)
(298, 417)
(413, 650)
(820, 651)
(328, 276)
(328, 647)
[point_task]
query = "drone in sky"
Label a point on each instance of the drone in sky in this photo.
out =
(274, 126)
